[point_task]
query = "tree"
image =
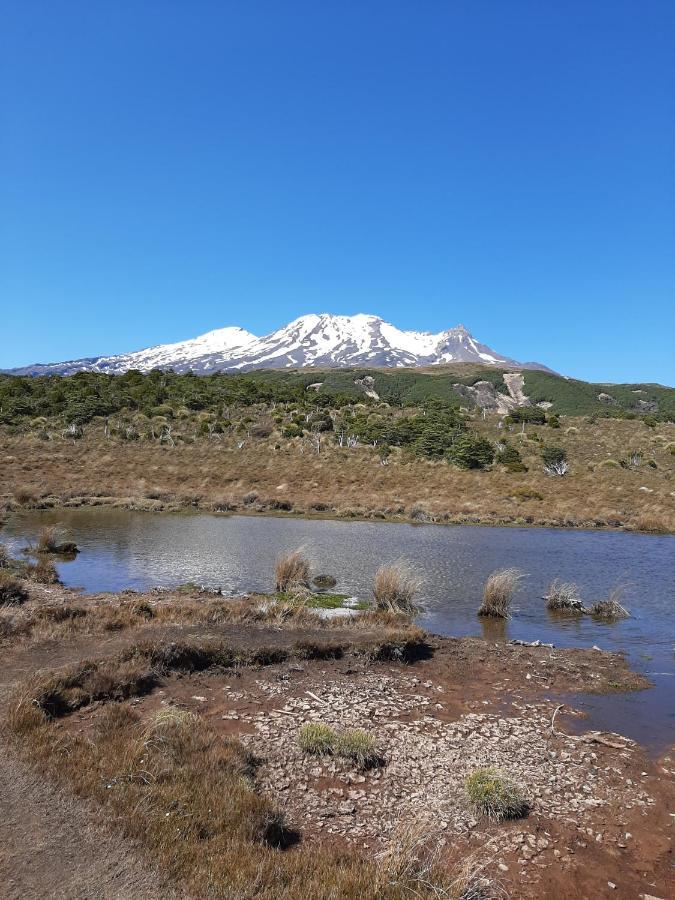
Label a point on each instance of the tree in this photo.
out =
(510, 458)
(471, 451)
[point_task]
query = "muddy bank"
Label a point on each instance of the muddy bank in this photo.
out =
(288, 509)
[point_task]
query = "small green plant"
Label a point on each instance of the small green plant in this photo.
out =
(317, 738)
(356, 744)
(495, 796)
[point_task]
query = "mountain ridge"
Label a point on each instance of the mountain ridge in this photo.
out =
(313, 340)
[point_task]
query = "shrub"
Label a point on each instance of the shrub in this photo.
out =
(470, 451)
(511, 459)
(5, 559)
(555, 460)
(11, 589)
(499, 589)
(552, 454)
(527, 494)
(495, 796)
(358, 745)
(291, 571)
(563, 596)
(317, 738)
(611, 608)
(395, 587)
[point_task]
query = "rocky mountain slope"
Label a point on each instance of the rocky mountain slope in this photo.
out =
(313, 340)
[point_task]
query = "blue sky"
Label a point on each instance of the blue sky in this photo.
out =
(171, 167)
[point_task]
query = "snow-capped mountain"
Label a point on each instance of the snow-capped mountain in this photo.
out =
(312, 340)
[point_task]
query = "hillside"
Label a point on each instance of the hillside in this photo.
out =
(396, 444)
(86, 395)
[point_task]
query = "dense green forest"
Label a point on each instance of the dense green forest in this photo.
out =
(80, 398)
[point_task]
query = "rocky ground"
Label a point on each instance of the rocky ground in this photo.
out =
(601, 812)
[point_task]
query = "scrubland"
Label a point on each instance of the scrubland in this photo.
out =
(620, 475)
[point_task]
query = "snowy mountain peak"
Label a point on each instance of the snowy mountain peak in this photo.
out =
(323, 339)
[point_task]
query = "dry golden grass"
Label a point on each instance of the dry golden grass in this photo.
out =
(611, 608)
(563, 596)
(395, 587)
(291, 571)
(498, 592)
(189, 796)
(218, 476)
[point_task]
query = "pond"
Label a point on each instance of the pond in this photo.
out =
(124, 549)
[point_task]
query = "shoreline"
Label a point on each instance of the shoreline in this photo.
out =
(437, 706)
(175, 507)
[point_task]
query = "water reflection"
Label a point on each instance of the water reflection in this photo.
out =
(122, 549)
(494, 630)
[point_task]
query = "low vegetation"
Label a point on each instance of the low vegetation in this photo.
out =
(188, 795)
(12, 591)
(395, 587)
(357, 745)
(493, 795)
(611, 608)
(317, 738)
(563, 596)
(292, 571)
(498, 593)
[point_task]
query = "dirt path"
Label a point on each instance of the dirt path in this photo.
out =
(52, 845)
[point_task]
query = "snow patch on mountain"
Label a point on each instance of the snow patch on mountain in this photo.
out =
(312, 340)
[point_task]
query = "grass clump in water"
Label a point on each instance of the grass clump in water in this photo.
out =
(611, 608)
(563, 596)
(395, 587)
(291, 571)
(317, 738)
(499, 589)
(495, 796)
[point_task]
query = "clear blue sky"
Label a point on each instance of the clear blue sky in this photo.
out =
(174, 166)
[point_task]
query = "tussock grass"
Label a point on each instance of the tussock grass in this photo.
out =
(44, 571)
(49, 538)
(317, 739)
(611, 608)
(493, 795)
(498, 592)
(357, 744)
(292, 571)
(12, 590)
(563, 596)
(395, 587)
(414, 862)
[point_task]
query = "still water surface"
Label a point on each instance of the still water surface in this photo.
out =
(123, 549)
